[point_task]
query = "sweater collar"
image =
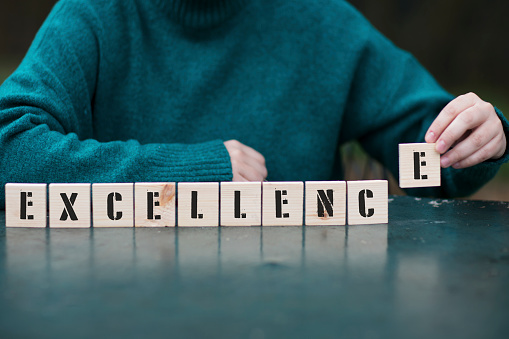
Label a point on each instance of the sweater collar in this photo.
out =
(201, 13)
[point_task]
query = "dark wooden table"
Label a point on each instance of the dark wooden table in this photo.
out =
(439, 269)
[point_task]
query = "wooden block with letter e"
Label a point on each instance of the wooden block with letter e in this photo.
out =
(113, 205)
(69, 205)
(283, 203)
(25, 205)
(198, 204)
(241, 204)
(368, 202)
(325, 203)
(154, 204)
(419, 165)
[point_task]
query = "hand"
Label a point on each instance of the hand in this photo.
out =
(472, 128)
(247, 164)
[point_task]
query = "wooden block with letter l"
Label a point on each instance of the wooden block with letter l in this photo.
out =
(419, 165)
(69, 205)
(325, 203)
(368, 202)
(154, 204)
(113, 205)
(283, 203)
(241, 204)
(25, 205)
(198, 204)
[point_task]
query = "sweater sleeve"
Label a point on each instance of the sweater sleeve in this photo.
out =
(46, 118)
(394, 100)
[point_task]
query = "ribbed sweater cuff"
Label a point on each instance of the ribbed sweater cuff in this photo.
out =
(208, 161)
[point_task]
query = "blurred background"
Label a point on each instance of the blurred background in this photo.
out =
(463, 43)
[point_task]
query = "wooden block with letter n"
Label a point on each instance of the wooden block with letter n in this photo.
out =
(283, 203)
(325, 203)
(25, 205)
(154, 204)
(113, 205)
(368, 202)
(241, 204)
(419, 165)
(198, 204)
(69, 205)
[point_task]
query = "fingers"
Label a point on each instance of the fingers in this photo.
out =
(482, 154)
(449, 114)
(475, 142)
(468, 131)
(247, 163)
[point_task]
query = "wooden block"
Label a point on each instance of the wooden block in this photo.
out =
(154, 204)
(368, 202)
(241, 204)
(25, 205)
(69, 205)
(419, 165)
(198, 204)
(283, 203)
(113, 205)
(325, 203)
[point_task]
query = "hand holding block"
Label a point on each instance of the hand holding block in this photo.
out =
(419, 165)
(25, 205)
(113, 205)
(241, 204)
(69, 205)
(282, 203)
(154, 204)
(198, 204)
(368, 202)
(325, 202)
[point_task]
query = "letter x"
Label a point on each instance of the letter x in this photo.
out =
(68, 206)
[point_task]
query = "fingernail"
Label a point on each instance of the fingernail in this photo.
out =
(430, 137)
(441, 148)
(445, 162)
(456, 165)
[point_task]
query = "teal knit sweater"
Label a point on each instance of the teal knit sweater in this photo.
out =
(148, 90)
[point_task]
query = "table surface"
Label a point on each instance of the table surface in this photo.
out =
(439, 269)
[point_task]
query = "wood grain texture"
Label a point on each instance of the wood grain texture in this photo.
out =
(204, 197)
(322, 195)
(113, 205)
(419, 165)
(33, 197)
(283, 203)
(162, 197)
(248, 210)
(368, 202)
(73, 209)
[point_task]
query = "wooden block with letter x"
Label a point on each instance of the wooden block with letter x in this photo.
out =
(419, 165)
(198, 204)
(154, 204)
(283, 203)
(325, 203)
(113, 205)
(368, 202)
(69, 205)
(241, 204)
(25, 205)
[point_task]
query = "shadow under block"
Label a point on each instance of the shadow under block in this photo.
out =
(325, 203)
(25, 205)
(154, 204)
(419, 165)
(368, 202)
(241, 204)
(283, 203)
(113, 205)
(69, 205)
(198, 204)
